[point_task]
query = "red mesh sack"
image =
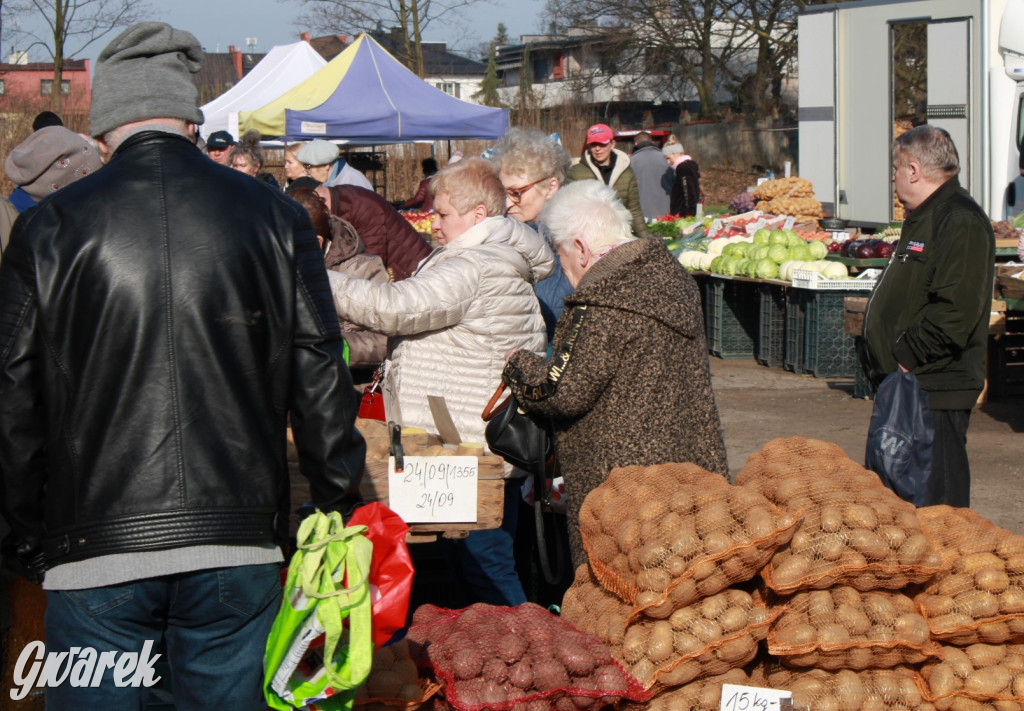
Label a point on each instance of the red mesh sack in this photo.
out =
(523, 657)
(712, 636)
(978, 676)
(843, 628)
(700, 695)
(662, 536)
(851, 530)
(866, 690)
(980, 596)
(394, 682)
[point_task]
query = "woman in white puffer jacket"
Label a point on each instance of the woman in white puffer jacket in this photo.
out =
(468, 305)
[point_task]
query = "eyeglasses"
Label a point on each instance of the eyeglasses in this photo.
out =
(516, 194)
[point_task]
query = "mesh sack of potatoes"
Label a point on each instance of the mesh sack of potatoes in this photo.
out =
(846, 689)
(980, 596)
(711, 636)
(662, 536)
(394, 681)
(844, 628)
(700, 695)
(851, 530)
(805, 206)
(784, 187)
(977, 676)
(523, 657)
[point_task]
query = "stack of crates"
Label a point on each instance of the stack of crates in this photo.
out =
(771, 325)
(731, 318)
(816, 342)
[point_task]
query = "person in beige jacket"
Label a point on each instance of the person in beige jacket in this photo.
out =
(603, 162)
(470, 303)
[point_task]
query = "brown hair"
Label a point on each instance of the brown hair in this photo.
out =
(317, 209)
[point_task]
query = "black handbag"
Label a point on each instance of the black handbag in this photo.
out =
(515, 435)
(529, 444)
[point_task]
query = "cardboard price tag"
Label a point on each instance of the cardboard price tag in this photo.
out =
(788, 224)
(434, 489)
(752, 698)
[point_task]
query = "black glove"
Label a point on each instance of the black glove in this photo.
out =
(24, 557)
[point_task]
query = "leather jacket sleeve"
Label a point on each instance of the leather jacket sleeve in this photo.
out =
(323, 403)
(22, 428)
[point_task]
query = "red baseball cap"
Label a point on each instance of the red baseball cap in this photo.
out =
(599, 133)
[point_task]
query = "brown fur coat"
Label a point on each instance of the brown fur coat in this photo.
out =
(636, 386)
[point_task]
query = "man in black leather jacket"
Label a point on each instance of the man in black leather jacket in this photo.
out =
(160, 323)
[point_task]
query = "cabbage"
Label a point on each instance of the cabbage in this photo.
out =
(818, 249)
(767, 269)
(717, 246)
(834, 270)
(793, 239)
(800, 252)
(762, 236)
(778, 253)
(742, 249)
(778, 237)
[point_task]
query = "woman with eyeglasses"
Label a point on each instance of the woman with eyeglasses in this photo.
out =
(532, 167)
(452, 323)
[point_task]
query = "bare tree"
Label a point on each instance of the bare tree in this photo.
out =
(410, 17)
(68, 27)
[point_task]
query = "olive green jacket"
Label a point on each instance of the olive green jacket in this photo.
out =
(623, 181)
(930, 309)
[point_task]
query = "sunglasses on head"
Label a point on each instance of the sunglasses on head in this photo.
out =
(516, 194)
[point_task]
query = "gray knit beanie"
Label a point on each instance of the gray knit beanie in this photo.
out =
(146, 72)
(671, 149)
(49, 159)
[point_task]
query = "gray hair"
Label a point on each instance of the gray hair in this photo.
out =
(933, 148)
(588, 210)
(531, 152)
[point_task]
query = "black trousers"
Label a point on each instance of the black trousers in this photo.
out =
(950, 479)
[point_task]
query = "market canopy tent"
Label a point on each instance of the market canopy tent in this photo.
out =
(364, 95)
(283, 67)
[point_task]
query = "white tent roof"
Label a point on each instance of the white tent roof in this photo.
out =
(283, 67)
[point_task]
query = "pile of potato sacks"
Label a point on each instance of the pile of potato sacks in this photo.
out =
(806, 575)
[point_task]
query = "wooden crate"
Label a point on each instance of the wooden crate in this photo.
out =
(374, 485)
(854, 308)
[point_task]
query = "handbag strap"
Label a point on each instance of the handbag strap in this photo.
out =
(490, 410)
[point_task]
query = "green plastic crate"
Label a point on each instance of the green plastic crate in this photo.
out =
(771, 325)
(731, 318)
(829, 351)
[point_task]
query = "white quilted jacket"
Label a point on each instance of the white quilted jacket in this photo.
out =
(468, 305)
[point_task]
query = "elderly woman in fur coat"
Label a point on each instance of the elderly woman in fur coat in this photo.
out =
(628, 381)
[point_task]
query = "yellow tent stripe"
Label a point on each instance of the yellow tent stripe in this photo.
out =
(269, 120)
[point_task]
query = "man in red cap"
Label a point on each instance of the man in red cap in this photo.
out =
(603, 161)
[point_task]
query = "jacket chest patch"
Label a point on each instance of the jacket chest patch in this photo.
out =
(915, 247)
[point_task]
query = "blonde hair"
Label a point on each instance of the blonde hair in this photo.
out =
(468, 183)
(530, 152)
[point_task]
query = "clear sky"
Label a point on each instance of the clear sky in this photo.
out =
(220, 23)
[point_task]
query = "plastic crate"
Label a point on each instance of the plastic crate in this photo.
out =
(808, 279)
(828, 350)
(771, 325)
(796, 317)
(731, 318)
(862, 388)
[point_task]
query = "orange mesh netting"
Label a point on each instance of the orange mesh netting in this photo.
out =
(662, 536)
(712, 636)
(700, 695)
(980, 596)
(523, 657)
(843, 628)
(866, 690)
(978, 676)
(851, 529)
(394, 681)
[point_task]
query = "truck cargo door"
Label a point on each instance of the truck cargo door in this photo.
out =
(817, 96)
(949, 86)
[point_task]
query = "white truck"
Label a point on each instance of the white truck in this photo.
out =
(974, 67)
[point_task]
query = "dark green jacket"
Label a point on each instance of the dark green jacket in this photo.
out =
(930, 310)
(623, 182)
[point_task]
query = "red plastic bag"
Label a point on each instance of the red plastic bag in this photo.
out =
(391, 569)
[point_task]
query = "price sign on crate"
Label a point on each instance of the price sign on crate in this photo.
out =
(434, 489)
(752, 698)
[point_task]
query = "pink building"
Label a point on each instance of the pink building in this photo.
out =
(28, 88)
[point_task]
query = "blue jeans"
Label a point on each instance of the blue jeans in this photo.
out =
(485, 560)
(212, 625)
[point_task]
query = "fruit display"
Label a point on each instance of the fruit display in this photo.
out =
(420, 221)
(866, 249)
(765, 254)
(789, 196)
